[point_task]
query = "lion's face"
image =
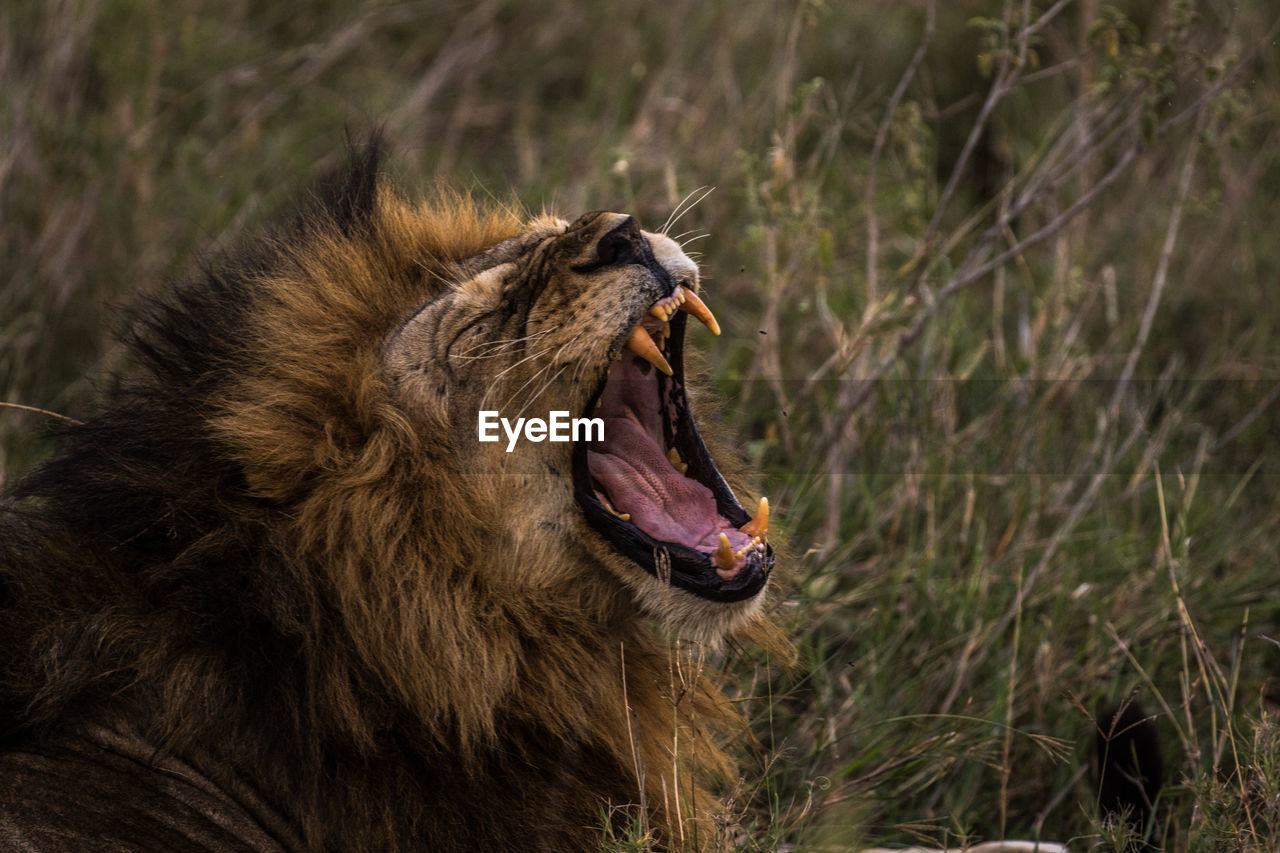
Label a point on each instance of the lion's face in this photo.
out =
(586, 318)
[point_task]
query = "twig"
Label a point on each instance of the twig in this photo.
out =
(1060, 535)
(882, 133)
(40, 411)
(1243, 424)
(964, 277)
(1053, 227)
(984, 847)
(1226, 79)
(1153, 299)
(1008, 75)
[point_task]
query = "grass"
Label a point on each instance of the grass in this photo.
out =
(997, 282)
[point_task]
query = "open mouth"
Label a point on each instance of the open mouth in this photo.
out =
(651, 487)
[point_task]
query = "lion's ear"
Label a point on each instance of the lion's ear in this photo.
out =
(486, 286)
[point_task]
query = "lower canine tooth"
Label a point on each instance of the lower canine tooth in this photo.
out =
(642, 345)
(625, 516)
(724, 557)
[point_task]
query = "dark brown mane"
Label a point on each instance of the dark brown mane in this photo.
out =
(249, 560)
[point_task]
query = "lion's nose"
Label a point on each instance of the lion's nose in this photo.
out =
(673, 259)
(622, 244)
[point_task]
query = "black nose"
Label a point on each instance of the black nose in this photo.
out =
(622, 245)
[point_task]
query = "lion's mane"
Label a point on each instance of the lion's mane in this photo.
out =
(253, 564)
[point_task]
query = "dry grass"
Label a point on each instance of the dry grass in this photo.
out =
(996, 279)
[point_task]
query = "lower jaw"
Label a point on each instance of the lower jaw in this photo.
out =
(725, 572)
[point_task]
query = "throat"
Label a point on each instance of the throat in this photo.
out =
(639, 477)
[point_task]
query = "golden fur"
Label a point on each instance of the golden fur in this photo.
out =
(283, 556)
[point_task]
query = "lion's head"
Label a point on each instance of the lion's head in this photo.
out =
(586, 318)
(300, 464)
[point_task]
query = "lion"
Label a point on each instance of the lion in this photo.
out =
(278, 596)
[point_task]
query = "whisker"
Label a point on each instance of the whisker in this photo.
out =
(498, 347)
(508, 369)
(541, 371)
(579, 365)
(515, 395)
(685, 206)
(450, 283)
(544, 386)
(528, 337)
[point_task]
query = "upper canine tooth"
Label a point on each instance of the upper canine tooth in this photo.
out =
(658, 311)
(673, 456)
(759, 525)
(642, 345)
(691, 304)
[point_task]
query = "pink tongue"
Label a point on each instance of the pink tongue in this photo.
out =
(638, 479)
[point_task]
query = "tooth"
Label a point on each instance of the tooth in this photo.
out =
(691, 304)
(755, 543)
(642, 345)
(625, 516)
(683, 468)
(673, 456)
(723, 557)
(759, 525)
(658, 311)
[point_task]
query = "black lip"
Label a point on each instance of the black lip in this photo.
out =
(688, 568)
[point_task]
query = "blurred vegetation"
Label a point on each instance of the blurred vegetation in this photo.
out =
(999, 288)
